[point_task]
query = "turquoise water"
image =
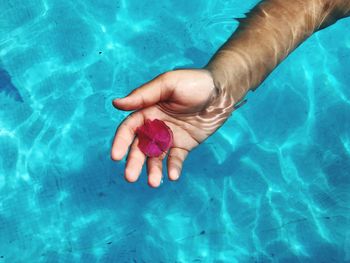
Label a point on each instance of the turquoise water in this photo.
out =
(272, 185)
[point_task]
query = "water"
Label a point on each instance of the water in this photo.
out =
(271, 186)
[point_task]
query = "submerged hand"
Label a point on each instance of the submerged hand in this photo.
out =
(187, 101)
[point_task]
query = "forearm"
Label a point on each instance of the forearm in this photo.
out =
(272, 30)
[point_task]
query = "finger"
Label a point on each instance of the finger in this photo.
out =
(175, 161)
(148, 94)
(125, 135)
(154, 170)
(134, 164)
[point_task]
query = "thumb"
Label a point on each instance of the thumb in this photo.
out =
(147, 95)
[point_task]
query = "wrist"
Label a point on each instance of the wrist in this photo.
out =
(227, 94)
(230, 75)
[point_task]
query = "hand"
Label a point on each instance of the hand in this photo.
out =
(187, 101)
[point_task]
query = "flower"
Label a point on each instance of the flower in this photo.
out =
(155, 137)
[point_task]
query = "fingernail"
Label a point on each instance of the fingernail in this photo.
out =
(116, 101)
(116, 156)
(174, 175)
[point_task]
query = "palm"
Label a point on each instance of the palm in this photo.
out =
(192, 91)
(181, 99)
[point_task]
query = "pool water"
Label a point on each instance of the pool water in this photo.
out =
(272, 185)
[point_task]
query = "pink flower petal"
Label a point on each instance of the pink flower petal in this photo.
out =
(155, 137)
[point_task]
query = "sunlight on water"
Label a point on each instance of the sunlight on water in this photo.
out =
(272, 185)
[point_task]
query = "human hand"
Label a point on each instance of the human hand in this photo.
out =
(187, 101)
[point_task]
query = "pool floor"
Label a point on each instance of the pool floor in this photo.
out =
(272, 185)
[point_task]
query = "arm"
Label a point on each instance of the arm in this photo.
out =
(271, 31)
(194, 103)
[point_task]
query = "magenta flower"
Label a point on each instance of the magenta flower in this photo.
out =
(155, 137)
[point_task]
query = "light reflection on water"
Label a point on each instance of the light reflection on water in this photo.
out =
(272, 185)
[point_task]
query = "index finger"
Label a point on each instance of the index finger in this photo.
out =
(125, 134)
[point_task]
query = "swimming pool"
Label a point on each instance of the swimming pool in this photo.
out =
(272, 185)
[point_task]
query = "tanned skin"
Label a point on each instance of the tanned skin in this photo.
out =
(194, 103)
